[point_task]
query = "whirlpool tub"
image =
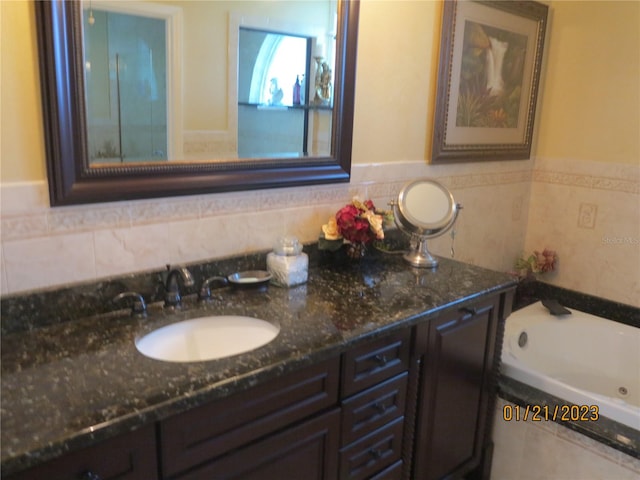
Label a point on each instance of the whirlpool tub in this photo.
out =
(580, 358)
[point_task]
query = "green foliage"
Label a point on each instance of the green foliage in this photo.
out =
(477, 107)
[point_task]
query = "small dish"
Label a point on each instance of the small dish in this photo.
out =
(250, 278)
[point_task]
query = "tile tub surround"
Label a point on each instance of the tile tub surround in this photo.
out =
(548, 451)
(75, 383)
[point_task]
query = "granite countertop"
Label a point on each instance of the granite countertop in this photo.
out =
(75, 383)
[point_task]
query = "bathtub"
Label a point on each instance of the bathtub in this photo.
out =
(580, 358)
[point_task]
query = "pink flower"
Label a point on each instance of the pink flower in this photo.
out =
(546, 261)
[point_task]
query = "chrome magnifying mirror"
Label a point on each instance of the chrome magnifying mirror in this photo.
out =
(424, 209)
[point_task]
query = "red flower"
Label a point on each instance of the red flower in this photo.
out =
(357, 222)
(352, 225)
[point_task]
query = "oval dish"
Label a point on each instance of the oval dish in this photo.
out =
(250, 278)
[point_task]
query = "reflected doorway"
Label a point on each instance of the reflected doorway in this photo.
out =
(126, 89)
(277, 116)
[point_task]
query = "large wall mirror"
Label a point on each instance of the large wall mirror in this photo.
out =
(159, 98)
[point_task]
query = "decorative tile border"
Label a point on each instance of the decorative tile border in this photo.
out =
(587, 181)
(374, 181)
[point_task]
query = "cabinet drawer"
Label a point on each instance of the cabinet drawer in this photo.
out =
(376, 361)
(369, 410)
(394, 472)
(306, 451)
(373, 453)
(211, 430)
(131, 456)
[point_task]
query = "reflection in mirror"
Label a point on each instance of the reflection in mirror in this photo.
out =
(133, 56)
(140, 116)
(280, 113)
(125, 60)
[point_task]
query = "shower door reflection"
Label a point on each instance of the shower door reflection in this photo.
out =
(126, 91)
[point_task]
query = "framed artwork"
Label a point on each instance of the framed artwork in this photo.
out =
(488, 76)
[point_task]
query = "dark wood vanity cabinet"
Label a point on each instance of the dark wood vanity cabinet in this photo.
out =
(414, 404)
(289, 424)
(342, 418)
(458, 355)
(373, 402)
(131, 456)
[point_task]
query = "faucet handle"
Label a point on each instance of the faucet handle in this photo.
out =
(139, 307)
(205, 289)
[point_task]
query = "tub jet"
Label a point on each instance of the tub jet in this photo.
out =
(522, 339)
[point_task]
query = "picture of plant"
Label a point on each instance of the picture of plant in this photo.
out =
(491, 77)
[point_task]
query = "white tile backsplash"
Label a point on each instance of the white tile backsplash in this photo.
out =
(46, 247)
(51, 260)
(131, 249)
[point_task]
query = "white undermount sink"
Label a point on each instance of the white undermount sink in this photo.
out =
(206, 338)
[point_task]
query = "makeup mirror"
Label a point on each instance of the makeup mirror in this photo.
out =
(424, 209)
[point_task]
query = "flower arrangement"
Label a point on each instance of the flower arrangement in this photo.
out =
(537, 262)
(357, 224)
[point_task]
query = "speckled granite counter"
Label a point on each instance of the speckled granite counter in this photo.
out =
(70, 384)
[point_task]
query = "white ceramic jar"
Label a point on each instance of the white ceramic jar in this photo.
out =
(288, 264)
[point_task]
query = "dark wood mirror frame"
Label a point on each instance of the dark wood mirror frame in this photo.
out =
(73, 181)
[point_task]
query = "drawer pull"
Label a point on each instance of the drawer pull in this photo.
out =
(469, 310)
(375, 453)
(381, 359)
(89, 475)
(381, 408)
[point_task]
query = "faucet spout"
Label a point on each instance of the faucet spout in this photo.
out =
(172, 288)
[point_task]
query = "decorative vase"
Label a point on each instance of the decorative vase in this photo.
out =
(348, 254)
(355, 251)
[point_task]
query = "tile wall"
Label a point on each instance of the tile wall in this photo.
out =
(548, 451)
(589, 212)
(44, 247)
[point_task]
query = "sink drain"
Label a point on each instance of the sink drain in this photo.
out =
(622, 390)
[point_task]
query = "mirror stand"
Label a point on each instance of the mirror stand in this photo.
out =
(420, 256)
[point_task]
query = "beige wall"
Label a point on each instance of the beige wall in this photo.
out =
(589, 107)
(591, 99)
(395, 92)
(21, 131)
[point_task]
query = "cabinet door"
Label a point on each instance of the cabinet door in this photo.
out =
(307, 451)
(128, 457)
(457, 384)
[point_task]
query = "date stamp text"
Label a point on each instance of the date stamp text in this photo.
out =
(554, 413)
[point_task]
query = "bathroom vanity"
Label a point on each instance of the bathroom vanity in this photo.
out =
(380, 370)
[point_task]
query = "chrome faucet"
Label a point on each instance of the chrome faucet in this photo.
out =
(172, 289)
